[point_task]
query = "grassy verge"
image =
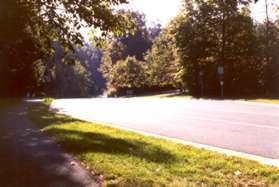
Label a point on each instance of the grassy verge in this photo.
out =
(183, 96)
(129, 159)
(269, 101)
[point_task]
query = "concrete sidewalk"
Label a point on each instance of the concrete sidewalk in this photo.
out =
(28, 158)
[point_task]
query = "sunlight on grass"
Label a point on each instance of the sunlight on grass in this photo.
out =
(181, 96)
(270, 101)
(129, 159)
(48, 101)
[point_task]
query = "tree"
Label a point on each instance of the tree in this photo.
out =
(18, 50)
(137, 43)
(27, 28)
(72, 81)
(91, 58)
(217, 33)
(130, 45)
(126, 74)
(70, 78)
(270, 78)
(154, 31)
(65, 18)
(164, 68)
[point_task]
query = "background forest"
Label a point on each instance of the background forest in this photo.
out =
(53, 59)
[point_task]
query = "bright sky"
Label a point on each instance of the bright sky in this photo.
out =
(164, 10)
(156, 10)
(258, 9)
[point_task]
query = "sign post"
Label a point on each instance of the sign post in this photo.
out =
(222, 88)
(201, 83)
(221, 72)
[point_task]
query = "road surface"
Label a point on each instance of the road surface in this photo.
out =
(239, 126)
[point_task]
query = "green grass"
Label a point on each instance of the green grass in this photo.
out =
(48, 101)
(183, 96)
(270, 101)
(130, 159)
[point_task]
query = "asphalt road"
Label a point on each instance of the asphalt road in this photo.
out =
(240, 126)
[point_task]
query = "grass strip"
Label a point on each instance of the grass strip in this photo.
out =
(269, 101)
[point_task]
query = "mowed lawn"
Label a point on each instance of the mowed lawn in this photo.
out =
(130, 159)
(270, 101)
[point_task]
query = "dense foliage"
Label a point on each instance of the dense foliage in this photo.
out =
(186, 54)
(126, 74)
(164, 68)
(91, 58)
(27, 28)
(68, 75)
(212, 33)
(149, 58)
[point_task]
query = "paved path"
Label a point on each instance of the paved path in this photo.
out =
(239, 126)
(28, 158)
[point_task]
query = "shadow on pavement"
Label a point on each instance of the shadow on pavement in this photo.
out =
(29, 158)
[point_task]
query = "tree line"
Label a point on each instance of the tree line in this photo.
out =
(223, 33)
(187, 54)
(28, 29)
(204, 37)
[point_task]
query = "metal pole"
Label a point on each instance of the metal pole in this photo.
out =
(221, 86)
(222, 90)
(202, 88)
(201, 83)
